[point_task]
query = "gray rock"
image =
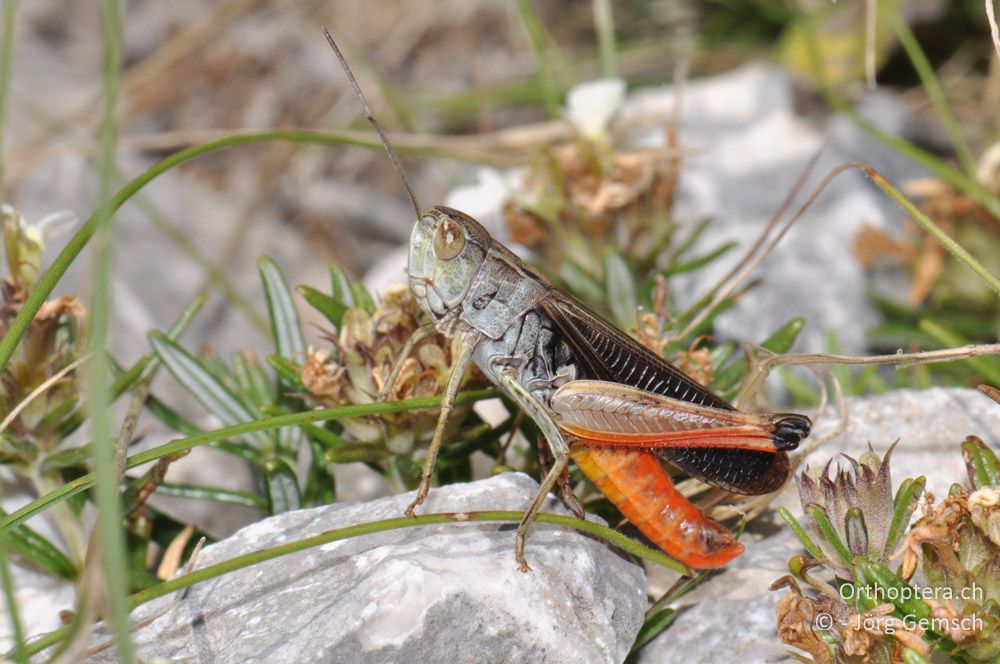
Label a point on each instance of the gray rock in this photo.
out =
(748, 146)
(435, 593)
(731, 617)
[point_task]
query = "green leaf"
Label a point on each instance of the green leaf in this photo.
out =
(289, 372)
(340, 287)
(619, 285)
(831, 536)
(902, 509)
(38, 550)
(205, 387)
(800, 533)
(779, 342)
(281, 486)
(688, 243)
(694, 264)
(802, 392)
(216, 494)
(332, 309)
(981, 463)
(581, 283)
(252, 381)
(656, 621)
(285, 325)
(362, 297)
(988, 366)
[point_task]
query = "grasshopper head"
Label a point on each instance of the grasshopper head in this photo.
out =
(447, 249)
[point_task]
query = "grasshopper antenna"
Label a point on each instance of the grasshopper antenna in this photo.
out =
(371, 118)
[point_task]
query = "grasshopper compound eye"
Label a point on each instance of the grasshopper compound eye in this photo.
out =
(449, 239)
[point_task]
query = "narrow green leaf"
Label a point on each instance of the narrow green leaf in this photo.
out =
(688, 243)
(817, 513)
(981, 463)
(801, 391)
(701, 261)
(656, 621)
(252, 380)
(907, 600)
(354, 452)
(333, 310)
(285, 325)
(215, 494)
(281, 487)
(902, 509)
(779, 342)
(800, 533)
(619, 285)
(35, 548)
(988, 366)
(287, 331)
(363, 298)
(340, 287)
(205, 387)
(289, 372)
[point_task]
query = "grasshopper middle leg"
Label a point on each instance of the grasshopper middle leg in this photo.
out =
(557, 444)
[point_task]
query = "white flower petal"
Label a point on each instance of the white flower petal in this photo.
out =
(591, 105)
(56, 224)
(482, 199)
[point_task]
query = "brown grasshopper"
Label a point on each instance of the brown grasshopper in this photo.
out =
(597, 395)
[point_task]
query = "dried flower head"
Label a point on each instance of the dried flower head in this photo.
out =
(52, 343)
(355, 371)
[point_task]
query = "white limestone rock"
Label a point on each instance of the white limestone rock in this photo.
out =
(428, 594)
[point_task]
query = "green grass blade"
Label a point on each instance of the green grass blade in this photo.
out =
(86, 481)
(6, 58)
(604, 24)
(109, 524)
(933, 89)
(20, 652)
(535, 32)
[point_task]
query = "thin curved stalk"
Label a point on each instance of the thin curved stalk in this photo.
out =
(47, 282)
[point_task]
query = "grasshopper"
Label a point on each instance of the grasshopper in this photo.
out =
(598, 396)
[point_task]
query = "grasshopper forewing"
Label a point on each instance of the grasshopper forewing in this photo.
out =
(596, 394)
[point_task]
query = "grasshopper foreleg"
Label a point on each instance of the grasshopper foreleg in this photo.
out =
(418, 335)
(458, 369)
(557, 445)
